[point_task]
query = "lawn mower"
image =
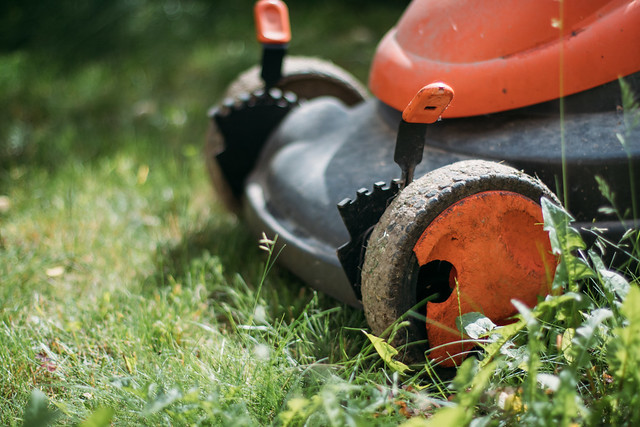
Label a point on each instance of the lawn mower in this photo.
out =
(490, 105)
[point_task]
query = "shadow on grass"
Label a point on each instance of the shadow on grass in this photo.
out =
(223, 238)
(225, 253)
(224, 257)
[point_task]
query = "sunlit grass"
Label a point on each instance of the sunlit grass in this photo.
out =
(129, 295)
(109, 286)
(124, 284)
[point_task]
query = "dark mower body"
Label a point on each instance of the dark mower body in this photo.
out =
(324, 151)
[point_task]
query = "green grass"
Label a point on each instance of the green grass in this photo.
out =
(124, 283)
(127, 294)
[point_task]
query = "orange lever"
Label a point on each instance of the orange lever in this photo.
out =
(428, 104)
(272, 22)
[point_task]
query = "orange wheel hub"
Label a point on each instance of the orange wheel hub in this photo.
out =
(499, 251)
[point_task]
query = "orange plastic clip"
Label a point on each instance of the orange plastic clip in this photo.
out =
(428, 104)
(272, 22)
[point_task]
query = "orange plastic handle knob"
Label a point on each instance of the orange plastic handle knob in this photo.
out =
(428, 104)
(272, 22)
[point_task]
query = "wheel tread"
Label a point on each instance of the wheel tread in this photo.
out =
(389, 254)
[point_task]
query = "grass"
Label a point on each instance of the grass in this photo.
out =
(128, 296)
(124, 284)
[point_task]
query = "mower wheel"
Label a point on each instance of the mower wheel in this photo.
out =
(466, 237)
(308, 78)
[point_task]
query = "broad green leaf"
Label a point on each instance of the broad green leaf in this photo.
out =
(630, 306)
(386, 353)
(578, 269)
(482, 378)
(298, 404)
(563, 237)
(566, 345)
(561, 276)
(470, 383)
(623, 350)
(594, 319)
(163, 400)
(333, 408)
(415, 422)
(452, 416)
(564, 241)
(465, 374)
(502, 335)
(475, 324)
(481, 421)
(562, 307)
(37, 412)
(567, 403)
(585, 334)
(297, 408)
(614, 284)
(101, 417)
(471, 374)
(555, 301)
(571, 269)
(516, 356)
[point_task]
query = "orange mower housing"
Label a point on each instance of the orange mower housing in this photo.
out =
(508, 54)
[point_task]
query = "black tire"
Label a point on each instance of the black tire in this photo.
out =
(308, 78)
(390, 268)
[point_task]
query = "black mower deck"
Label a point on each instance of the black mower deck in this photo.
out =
(324, 151)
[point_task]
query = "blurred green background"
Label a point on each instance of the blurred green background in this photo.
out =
(106, 211)
(79, 79)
